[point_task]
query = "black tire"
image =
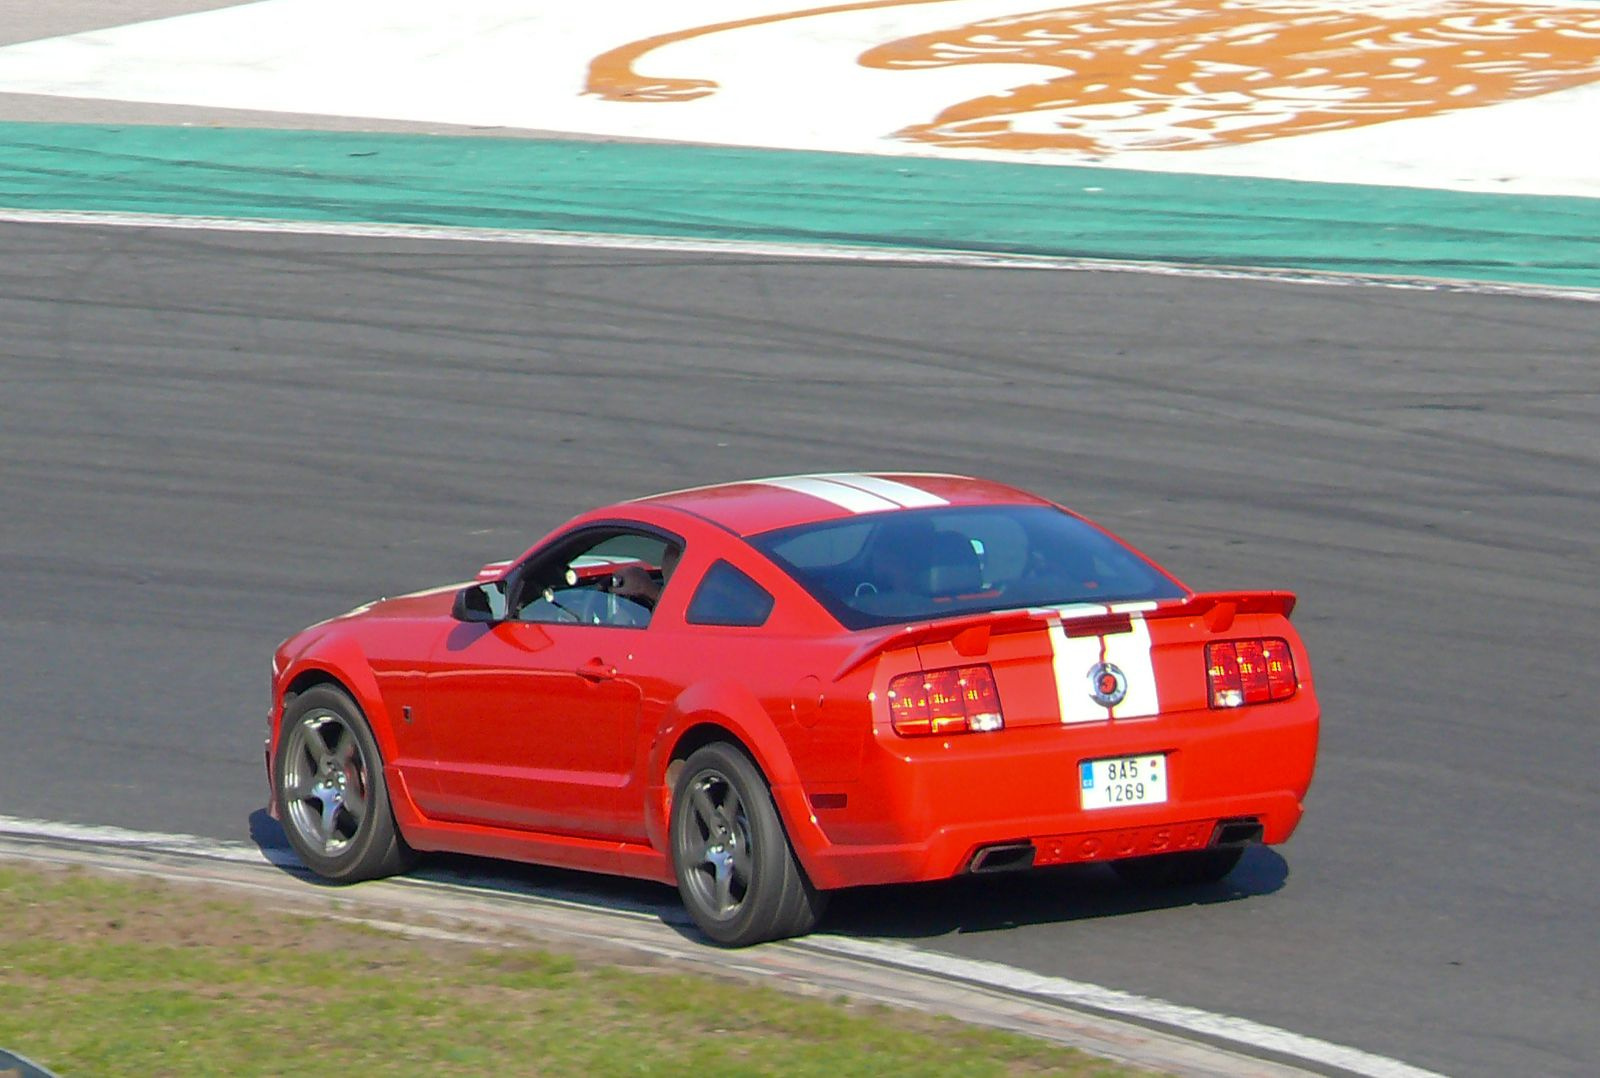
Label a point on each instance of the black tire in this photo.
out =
(1184, 869)
(736, 871)
(331, 789)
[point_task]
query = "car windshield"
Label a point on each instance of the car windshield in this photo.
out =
(883, 569)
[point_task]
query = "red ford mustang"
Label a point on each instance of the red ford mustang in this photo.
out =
(767, 690)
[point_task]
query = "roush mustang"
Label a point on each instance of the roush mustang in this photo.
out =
(767, 690)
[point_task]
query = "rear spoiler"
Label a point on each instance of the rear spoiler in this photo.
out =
(970, 633)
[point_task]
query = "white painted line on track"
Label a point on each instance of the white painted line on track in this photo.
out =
(1122, 1004)
(1217, 1028)
(765, 249)
(152, 841)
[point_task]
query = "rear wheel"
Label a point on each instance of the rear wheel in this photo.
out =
(331, 788)
(1179, 869)
(736, 871)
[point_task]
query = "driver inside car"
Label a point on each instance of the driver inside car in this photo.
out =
(639, 584)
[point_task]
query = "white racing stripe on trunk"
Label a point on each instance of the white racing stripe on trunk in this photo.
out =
(1071, 659)
(1130, 652)
(845, 497)
(902, 494)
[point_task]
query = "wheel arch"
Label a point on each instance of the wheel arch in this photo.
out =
(308, 679)
(374, 848)
(729, 712)
(344, 668)
(722, 711)
(706, 729)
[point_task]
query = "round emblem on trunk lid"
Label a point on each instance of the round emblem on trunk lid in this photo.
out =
(1107, 684)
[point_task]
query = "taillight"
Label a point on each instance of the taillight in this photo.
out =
(955, 700)
(1241, 672)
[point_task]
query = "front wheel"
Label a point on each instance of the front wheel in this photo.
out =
(331, 788)
(1179, 869)
(736, 871)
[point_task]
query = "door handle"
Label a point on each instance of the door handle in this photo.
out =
(596, 669)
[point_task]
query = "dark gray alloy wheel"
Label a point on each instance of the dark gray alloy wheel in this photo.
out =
(331, 788)
(1179, 869)
(736, 870)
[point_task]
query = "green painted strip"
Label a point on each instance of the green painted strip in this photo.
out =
(787, 196)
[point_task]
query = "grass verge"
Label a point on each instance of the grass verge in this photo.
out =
(106, 976)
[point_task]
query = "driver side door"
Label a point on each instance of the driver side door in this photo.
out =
(535, 717)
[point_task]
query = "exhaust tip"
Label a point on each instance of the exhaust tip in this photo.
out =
(1245, 832)
(1006, 857)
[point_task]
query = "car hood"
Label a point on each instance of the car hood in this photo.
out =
(429, 603)
(432, 602)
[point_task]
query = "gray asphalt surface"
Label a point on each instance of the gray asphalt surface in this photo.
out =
(34, 22)
(209, 440)
(22, 22)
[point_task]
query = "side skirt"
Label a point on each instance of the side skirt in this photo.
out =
(533, 847)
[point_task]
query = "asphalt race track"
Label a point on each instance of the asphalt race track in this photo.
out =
(209, 440)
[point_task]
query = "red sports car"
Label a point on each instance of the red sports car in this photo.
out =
(763, 691)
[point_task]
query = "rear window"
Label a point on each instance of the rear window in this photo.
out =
(882, 569)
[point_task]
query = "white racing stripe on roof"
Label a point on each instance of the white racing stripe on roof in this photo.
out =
(847, 497)
(902, 494)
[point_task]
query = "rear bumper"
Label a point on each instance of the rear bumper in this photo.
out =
(951, 850)
(922, 809)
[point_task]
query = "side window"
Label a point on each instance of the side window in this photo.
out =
(727, 596)
(607, 577)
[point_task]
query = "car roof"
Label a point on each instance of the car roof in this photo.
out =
(752, 506)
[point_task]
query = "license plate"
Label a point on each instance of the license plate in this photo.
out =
(1123, 780)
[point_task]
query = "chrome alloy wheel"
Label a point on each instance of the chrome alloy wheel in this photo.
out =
(326, 782)
(721, 863)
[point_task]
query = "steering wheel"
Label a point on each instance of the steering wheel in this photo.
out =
(626, 611)
(618, 609)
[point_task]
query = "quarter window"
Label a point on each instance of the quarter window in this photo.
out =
(726, 596)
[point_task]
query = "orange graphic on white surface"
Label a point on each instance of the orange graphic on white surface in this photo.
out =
(614, 74)
(1194, 74)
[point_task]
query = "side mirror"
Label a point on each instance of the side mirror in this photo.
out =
(480, 602)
